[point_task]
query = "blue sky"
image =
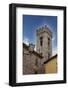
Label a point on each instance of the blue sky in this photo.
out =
(32, 23)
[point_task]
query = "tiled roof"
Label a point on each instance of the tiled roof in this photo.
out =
(50, 59)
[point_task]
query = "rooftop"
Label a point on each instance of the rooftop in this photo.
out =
(50, 59)
(34, 52)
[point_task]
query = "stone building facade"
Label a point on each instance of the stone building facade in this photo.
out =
(33, 63)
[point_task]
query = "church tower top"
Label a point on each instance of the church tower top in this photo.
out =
(44, 41)
(44, 29)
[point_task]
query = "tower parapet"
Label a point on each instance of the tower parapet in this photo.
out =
(44, 29)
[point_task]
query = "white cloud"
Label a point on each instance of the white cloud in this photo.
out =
(54, 51)
(53, 39)
(35, 48)
(26, 41)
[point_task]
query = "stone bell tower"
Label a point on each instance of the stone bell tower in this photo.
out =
(44, 42)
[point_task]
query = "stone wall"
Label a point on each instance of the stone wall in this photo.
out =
(32, 63)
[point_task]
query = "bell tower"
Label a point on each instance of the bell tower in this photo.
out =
(44, 42)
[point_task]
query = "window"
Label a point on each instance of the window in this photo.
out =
(41, 41)
(48, 42)
(48, 47)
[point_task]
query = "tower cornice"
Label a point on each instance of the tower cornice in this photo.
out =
(43, 30)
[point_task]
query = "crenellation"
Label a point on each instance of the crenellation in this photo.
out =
(44, 29)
